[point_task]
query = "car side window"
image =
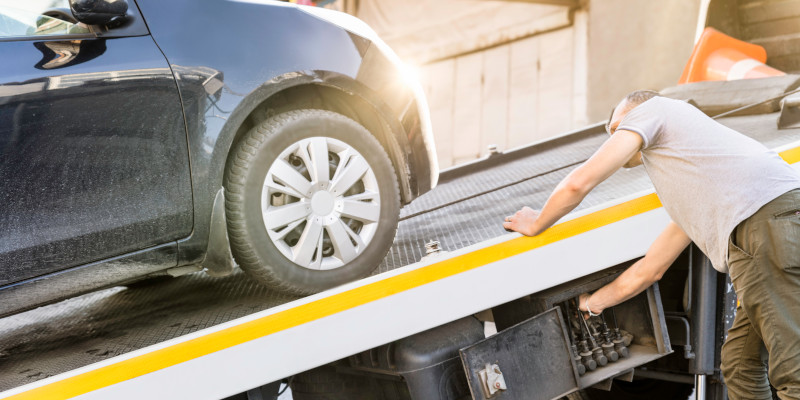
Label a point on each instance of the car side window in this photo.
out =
(36, 18)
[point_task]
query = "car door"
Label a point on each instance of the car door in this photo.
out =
(93, 152)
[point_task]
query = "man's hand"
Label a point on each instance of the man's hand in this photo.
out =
(523, 221)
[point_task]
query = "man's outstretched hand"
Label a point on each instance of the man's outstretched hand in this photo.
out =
(523, 221)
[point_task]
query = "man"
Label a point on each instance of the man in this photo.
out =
(736, 200)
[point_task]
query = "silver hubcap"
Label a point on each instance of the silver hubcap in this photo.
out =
(320, 203)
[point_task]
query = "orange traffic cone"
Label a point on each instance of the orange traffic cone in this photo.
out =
(719, 57)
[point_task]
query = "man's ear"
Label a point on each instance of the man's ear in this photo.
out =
(608, 124)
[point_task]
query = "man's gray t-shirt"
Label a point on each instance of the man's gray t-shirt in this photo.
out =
(709, 177)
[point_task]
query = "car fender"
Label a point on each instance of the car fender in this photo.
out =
(256, 51)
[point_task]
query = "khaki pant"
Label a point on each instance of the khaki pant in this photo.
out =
(764, 264)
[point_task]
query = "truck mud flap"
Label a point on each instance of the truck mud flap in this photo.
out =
(536, 360)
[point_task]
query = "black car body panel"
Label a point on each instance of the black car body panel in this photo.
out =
(134, 176)
(95, 137)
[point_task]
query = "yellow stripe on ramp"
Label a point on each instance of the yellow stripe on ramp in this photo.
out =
(229, 337)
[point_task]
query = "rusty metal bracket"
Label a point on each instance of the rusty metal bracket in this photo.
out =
(492, 380)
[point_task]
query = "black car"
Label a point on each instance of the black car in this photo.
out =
(147, 137)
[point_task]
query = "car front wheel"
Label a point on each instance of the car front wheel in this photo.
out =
(312, 201)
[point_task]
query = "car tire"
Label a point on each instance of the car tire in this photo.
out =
(292, 228)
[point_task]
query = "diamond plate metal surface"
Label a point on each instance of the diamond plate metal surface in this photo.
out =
(485, 179)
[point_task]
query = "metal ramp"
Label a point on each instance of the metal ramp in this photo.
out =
(204, 337)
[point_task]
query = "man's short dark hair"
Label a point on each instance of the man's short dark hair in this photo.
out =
(633, 99)
(640, 96)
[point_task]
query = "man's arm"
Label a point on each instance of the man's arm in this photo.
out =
(639, 276)
(610, 157)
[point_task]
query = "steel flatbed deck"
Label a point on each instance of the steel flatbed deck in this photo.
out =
(201, 337)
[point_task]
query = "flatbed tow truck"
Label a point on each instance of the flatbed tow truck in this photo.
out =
(415, 329)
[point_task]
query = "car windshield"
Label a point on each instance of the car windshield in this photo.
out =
(38, 18)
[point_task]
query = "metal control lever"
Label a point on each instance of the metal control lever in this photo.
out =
(606, 343)
(609, 348)
(620, 348)
(573, 347)
(583, 351)
(619, 342)
(597, 352)
(577, 358)
(586, 357)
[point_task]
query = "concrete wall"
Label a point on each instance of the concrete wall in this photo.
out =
(508, 95)
(636, 45)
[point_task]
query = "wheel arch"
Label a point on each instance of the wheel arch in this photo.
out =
(292, 92)
(326, 96)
